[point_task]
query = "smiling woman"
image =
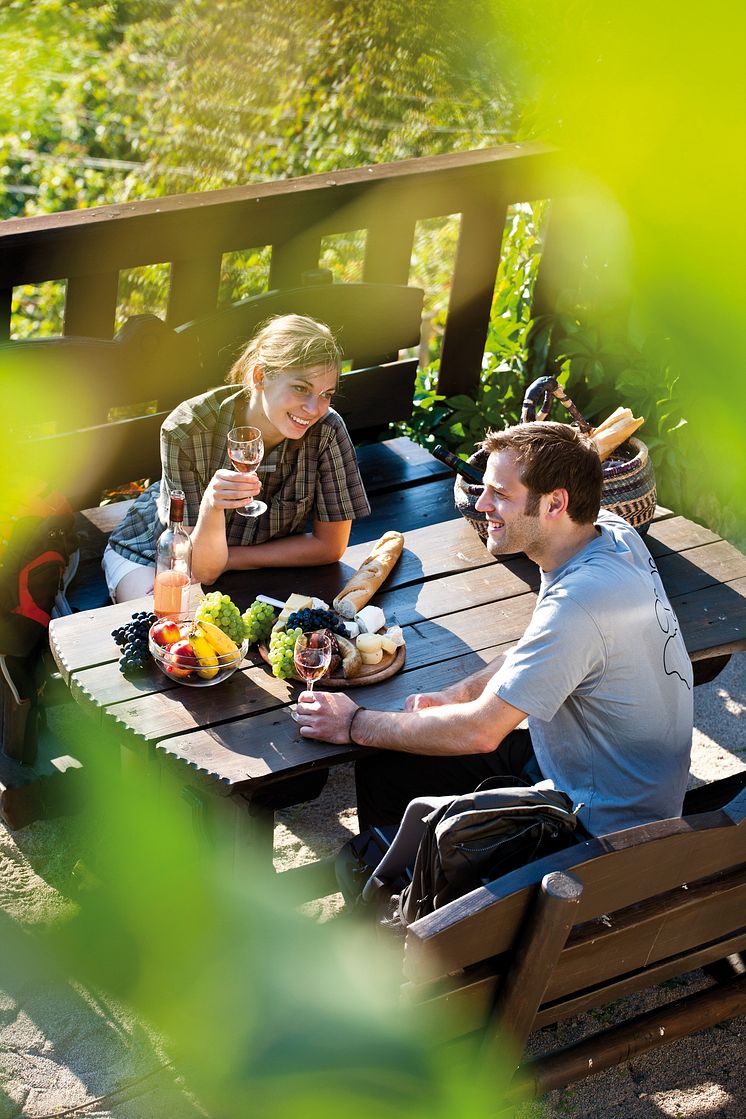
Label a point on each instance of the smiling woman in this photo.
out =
(282, 384)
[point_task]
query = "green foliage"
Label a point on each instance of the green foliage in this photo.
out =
(603, 368)
(120, 101)
(589, 344)
(511, 351)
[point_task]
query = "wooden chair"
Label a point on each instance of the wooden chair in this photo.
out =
(583, 928)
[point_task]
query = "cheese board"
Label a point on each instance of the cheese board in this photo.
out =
(368, 674)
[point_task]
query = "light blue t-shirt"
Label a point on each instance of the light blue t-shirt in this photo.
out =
(604, 676)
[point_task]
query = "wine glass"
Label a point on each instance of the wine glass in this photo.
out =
(245, 450)
(312, 656)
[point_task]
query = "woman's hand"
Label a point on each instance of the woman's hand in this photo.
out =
(228, 489)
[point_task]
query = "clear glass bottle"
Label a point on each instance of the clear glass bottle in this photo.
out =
(173, 563)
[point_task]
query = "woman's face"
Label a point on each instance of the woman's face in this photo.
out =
(293, 402)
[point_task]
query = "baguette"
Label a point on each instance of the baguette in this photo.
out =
(611, 419)
(361, 587)
(614, 431)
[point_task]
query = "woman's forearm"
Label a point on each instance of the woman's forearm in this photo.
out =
(304, 550)
(209, 546)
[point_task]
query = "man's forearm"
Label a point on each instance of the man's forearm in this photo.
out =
(436, 731)
(472, 686)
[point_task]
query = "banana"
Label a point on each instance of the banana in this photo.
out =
(221, 643)
(205, 654)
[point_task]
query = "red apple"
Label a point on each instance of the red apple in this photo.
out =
(180, 659)
(165, 632)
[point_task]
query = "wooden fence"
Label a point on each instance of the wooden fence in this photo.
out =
(89, 248)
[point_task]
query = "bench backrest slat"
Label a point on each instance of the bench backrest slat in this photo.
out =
(617, 871)
(72, 384)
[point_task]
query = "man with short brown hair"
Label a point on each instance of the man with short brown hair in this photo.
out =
(601, 672)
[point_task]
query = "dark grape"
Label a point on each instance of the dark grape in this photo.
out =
(308, 619)
(132, 639)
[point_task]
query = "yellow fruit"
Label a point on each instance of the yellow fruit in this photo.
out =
(220, 642)
(205, 654)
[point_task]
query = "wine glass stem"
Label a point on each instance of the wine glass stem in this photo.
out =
(310, 685)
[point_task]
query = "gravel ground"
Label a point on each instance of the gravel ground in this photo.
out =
(63, 1046)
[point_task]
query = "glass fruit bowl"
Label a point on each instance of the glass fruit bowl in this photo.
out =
(179, 661)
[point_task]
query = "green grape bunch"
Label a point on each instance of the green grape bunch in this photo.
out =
(258, 621)
(222, 612)
(281, 649)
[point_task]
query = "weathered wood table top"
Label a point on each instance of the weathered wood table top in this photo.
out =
(458, 607)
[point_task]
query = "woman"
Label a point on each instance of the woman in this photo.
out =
(283, 384)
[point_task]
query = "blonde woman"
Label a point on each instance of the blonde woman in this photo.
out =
(283, 384)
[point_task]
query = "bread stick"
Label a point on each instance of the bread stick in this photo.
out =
(615, 415)
(361, 587)
(614, 435)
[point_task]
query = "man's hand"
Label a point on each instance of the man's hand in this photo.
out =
(325, 716)
(424, 699)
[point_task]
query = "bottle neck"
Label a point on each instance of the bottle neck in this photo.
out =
(176, 510)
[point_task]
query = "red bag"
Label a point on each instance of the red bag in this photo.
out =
(38, 544)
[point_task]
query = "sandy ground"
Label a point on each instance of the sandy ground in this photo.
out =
(64, 1047)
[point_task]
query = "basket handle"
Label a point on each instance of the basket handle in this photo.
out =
(546, 388)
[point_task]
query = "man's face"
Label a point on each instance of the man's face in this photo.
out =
(509, 527)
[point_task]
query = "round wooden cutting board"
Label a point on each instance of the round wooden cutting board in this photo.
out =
(369, 673)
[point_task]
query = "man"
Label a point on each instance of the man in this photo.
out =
(601, 671)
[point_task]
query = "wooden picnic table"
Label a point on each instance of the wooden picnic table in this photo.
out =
(459, 608)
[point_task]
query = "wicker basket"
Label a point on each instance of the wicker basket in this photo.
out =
(629, 484)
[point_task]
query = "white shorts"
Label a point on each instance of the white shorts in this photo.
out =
(116, 567)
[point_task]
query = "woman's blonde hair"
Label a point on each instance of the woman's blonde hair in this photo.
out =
(284, 343)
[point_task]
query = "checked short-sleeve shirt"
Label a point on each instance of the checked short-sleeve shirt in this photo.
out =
(313, 478)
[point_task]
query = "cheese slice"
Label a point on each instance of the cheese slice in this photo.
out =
(293, 603)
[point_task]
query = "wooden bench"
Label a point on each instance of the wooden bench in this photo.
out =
(581, 929)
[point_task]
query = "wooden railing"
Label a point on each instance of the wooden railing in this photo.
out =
(89, 248)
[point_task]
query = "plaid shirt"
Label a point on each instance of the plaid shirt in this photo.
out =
(313, 478)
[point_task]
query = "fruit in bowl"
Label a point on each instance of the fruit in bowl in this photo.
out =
(199, 653)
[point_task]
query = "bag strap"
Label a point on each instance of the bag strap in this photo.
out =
(546, 388)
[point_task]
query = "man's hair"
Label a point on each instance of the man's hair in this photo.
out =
(287, 344)
(554, 456)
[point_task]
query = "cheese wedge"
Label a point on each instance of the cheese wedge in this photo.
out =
(395, 636)
(293, 603)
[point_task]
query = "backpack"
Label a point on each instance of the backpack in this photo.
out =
(480, 836)
(38, 550)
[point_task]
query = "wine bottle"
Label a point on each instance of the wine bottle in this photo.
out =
(471, 474)
(173, 563)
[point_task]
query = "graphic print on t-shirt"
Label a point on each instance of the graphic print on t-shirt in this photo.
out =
(669, 626)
